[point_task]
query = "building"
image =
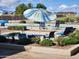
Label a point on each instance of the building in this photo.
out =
(11, 17)
(64, 14)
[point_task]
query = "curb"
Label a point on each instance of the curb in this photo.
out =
(46, 50)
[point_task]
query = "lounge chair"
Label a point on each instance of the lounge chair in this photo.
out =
(22, 36)
(31, 36)
(35, 35)
(67, 31)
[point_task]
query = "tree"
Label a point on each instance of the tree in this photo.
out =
(20, 9)
(41, 6)
(30, 5)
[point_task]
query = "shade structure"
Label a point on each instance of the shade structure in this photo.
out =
(3, 21)
(39, 15)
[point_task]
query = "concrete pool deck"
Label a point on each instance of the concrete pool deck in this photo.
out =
(33, 55)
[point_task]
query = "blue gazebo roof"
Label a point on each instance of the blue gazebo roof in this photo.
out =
(39, 15)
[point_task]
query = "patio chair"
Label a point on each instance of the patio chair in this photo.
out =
(51, 35)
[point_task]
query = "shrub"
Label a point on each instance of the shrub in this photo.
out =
(24, 41)
(35, 39)
(23, 21)
(11, 28)
(2, 39)
(46, 42)
(65, 41)
(74, 35)
(62, 20)
(19, 27)
(69, 41)
(73, 38)
(58, 40)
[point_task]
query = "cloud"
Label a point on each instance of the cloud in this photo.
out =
(63, 6)
(49, 8)
(69, 8)
(8, 3)
(75, 5)
(66, 6)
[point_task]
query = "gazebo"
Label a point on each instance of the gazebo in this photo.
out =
(39, 16)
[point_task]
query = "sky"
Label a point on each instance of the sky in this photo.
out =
(10, 5)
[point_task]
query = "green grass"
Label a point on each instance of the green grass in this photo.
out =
(62, 19)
